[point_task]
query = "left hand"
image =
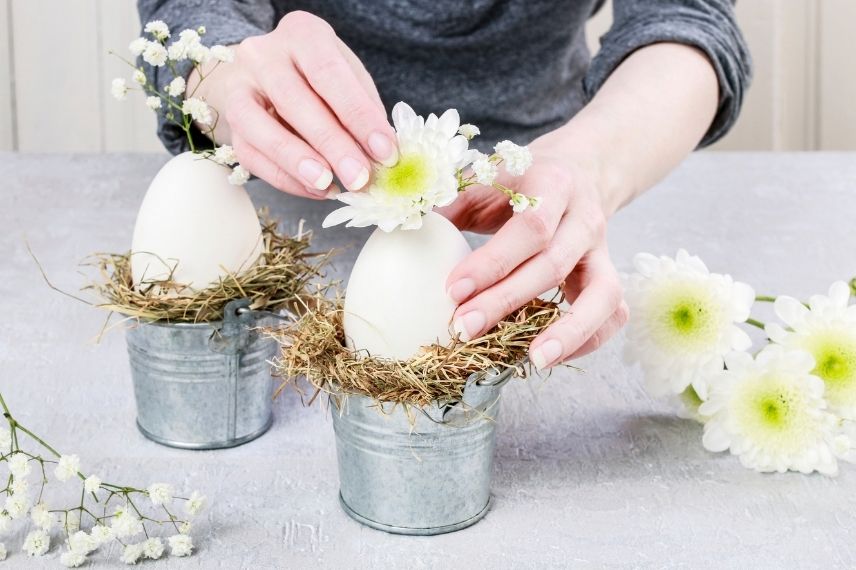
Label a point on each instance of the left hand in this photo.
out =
(562, 243)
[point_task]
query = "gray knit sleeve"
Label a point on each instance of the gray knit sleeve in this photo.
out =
(226, 22)
(709, 25)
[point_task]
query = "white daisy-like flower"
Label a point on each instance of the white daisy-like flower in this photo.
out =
(176, 87)
(132, 553)
(683, 321)
(158, 29)
(222, 53)
(92, 483)
(138, 46)
(139, 77)
(82, 542)
(469, 131)
(198, 109)
(194, 504)
(180, 545)
(519, 203)
(101, 534)
(119, 88)
(225, 155)
(37, 543)
(770, 412)
(153, 102)
(516, 159)
(484, 169)
(430, 154)
(155, 54)
(42, 517)
(67, 467)
(239, 176)
(826, 329)
(72, 559)
(153, 548)
(160, 494)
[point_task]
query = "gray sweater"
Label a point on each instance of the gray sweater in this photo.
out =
(515, 68)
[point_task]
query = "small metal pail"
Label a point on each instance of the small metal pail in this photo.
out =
(423, 478)
(206, 385)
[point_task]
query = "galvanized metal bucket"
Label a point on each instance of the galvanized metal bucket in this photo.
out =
(203, 386)
(423, 478)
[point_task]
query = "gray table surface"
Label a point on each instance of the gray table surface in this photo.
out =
(590, 472)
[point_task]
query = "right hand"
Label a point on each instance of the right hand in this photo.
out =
(298, 107)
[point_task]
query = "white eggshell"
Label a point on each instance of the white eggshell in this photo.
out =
(396, 300)
(193, 220)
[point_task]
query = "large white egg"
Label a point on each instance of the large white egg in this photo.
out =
(193, 221)
(396, 300)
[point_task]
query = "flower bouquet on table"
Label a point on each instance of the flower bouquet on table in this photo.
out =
(788, 407)
(204, 271)
(415, 405)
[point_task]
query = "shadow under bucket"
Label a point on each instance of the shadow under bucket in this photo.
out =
(426, 477)
(205, 385)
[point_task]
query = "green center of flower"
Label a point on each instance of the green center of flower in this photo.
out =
(834, 354)
(407, 179)
(688, 317)
(774, 414)
(773, 410)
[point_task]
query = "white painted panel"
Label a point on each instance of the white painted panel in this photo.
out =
(598, 25)
(837, 97)
(56, 75)
(128, 125)
(7, 124)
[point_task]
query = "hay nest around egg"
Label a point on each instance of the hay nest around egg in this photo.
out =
(314, 348)
(281, 279)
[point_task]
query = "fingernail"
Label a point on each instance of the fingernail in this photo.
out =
(353, 173)
(546, 354)
(383, 149)
(461, 289)
(332, 192)
(315, 173)
(469, 325)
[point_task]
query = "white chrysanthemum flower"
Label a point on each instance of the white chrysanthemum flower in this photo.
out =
(132, 553)
(119, 89)
(160, 494)
(516, 159)
(153, 102)
(125, 524)
(138, 46)
(222, 53)
(37, 543)
(180, 545)
(82, 542)
(770, 412)
(5, 440)
(42, 517)
(67, 467)
(519, 203)
(139, 77)
(239, 176)
(158, 29)
(155, 54)
(92, 483)
(469, 131)
(225, 155)
(826, 329)
(176, 87)
(102, 534)
(194, 504)
(72, 559)
(430, 154)
(198, 109)
(484, 169)
(153, 548)
(683, 321)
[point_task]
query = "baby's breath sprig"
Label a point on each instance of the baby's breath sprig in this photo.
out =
(112, 511)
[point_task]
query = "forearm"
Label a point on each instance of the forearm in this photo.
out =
(651, 112)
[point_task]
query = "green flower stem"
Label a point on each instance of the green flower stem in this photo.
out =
(765, 298)
(755, 323)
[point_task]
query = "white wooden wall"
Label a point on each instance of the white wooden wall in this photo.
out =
(55, 74)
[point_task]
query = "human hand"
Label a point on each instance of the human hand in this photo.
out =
(298, 106)
(562, 243)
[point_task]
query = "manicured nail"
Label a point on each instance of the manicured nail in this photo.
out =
(461, 289)
(315, 173)
(383, 149)
(467, 326)
(353, 173)
(546, 354)
(332, 192)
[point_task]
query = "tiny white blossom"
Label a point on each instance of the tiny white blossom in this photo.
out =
(195, 503)
(225, 155)
(132, 553)
(153, 548)
(189, 37)
(222, 53)
(198, 53)
(102, 534)
(17, 505)
(119, 89)
(158, 29)
(239, 176)
(160, 494)
(185, 527)
(67, 467)
(469, 131)
(42, 517)
(5, 439)
(535, 203)
(37, 543)
(155, 54)
(176, 87)
(125, 524)
(180, 545)
(516, 159)
(139, 77)
(198, 109)
(484, 169)
(137, 46)
(72, 559)
(92, 483)
(200, 30)
(2, 551)
(153, 102)
(20, 486)
(82, 542)
(519, 203)
(176, 51)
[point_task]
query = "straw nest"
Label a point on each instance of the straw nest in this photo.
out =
(280, 280)
(314, 348)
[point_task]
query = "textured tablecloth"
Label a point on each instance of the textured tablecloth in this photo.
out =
(590, 471)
